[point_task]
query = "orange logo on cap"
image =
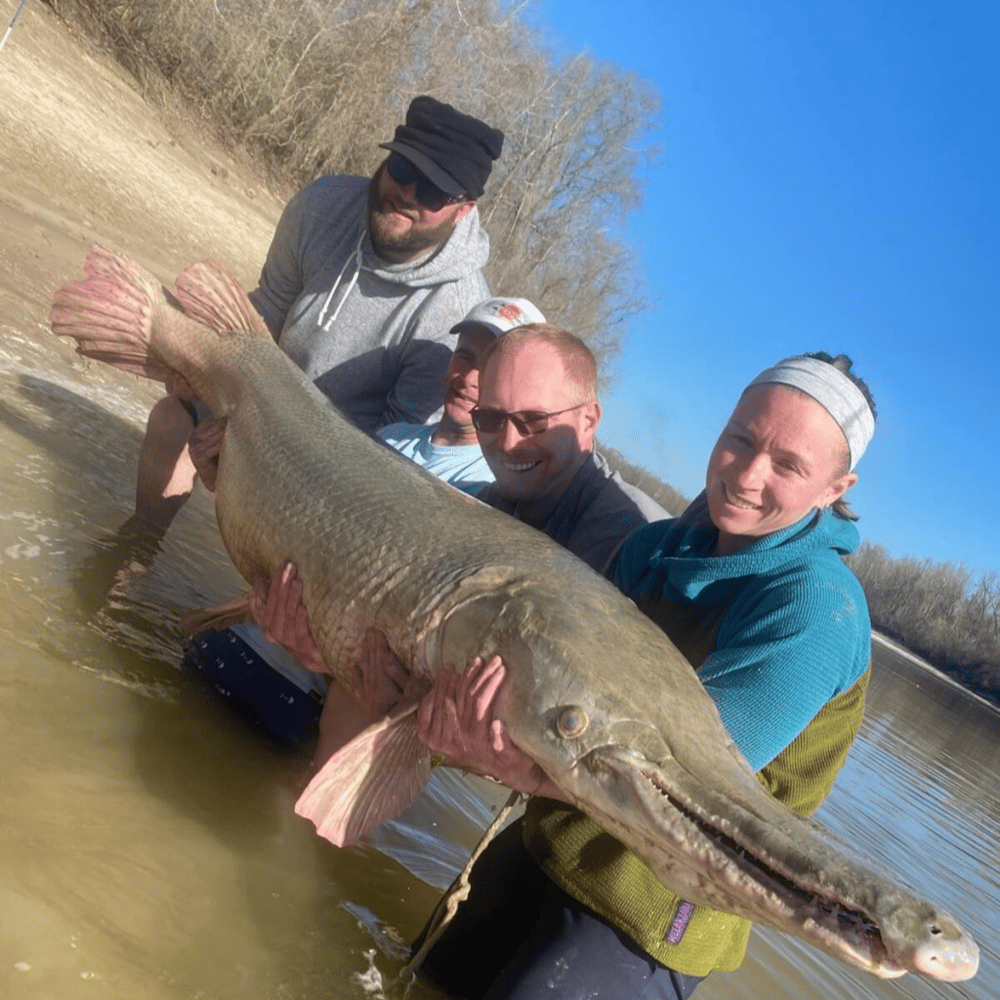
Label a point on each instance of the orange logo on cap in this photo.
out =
(509, 311)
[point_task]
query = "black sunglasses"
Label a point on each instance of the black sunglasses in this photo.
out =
(527, 422)
(404, 172)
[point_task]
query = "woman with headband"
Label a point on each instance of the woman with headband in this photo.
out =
(750, 584)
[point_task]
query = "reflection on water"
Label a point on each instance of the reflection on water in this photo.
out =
(148, 847)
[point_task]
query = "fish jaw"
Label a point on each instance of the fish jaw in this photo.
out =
(772, 870)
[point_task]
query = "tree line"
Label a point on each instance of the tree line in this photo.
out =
(940, 610)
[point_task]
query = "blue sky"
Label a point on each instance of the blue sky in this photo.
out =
(829, 183)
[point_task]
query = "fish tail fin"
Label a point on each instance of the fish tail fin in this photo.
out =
(110, 313)
(218, 617)
(211, 295)
(369, 780)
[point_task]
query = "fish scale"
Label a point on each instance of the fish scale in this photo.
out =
(378, 543)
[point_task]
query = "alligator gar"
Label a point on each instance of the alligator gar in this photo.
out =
(595, 692)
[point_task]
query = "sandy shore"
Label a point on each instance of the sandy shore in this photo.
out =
(85, 159)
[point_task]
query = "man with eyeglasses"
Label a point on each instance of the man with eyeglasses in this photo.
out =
(450, 449)
(536, 420)
(362, 283)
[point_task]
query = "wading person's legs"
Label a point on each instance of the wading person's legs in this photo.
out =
(166, 474)
(518, 936)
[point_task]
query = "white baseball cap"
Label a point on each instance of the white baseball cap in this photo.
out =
(500, 315)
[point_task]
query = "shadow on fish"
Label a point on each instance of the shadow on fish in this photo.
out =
(381, 544)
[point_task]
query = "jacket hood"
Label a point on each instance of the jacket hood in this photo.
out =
(465, 252)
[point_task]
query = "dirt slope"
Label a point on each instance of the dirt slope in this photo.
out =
(83, 158)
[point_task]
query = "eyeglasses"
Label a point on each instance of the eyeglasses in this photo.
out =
(404, 172)
(527, 422)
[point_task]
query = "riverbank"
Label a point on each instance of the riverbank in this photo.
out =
(86, 159)
(884, 640)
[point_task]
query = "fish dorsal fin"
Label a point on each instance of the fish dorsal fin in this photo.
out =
(208, 293)
(367, 781)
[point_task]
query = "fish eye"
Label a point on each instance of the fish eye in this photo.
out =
(572, 722)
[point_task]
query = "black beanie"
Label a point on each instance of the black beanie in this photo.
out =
(454, 150)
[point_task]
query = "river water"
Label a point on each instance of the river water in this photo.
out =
(148, 847)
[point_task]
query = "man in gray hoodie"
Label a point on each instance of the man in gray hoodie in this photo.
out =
(362, 284)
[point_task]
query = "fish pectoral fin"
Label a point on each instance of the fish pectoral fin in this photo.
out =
(367, 781)
(218, 617)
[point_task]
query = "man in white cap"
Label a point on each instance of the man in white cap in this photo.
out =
(450, 449)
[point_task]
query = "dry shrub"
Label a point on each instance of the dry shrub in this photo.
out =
(308, 87)
(936, 609)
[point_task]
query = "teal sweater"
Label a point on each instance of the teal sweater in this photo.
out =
(796, 632)
(781, 637)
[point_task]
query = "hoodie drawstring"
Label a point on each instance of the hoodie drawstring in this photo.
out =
(356, 257)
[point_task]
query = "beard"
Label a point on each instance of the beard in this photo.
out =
(394, 245)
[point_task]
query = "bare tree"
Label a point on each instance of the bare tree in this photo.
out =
(938, 610)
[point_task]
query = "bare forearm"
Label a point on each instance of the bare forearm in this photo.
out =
(341, 720)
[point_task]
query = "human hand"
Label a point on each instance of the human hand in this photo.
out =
(455, 718)
(204, 446)
(382, 680)
(277, 607)
(178, 385)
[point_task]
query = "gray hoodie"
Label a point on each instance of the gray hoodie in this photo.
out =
(373, 336)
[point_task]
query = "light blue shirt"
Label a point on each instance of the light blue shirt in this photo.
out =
(461, 465)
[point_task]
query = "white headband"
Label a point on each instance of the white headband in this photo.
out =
(834, 391)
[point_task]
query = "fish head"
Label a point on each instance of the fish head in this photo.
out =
(613, 713)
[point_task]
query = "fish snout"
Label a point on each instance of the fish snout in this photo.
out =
(948, 954)
(639, 742)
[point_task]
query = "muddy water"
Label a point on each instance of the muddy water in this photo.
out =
(148, 848)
